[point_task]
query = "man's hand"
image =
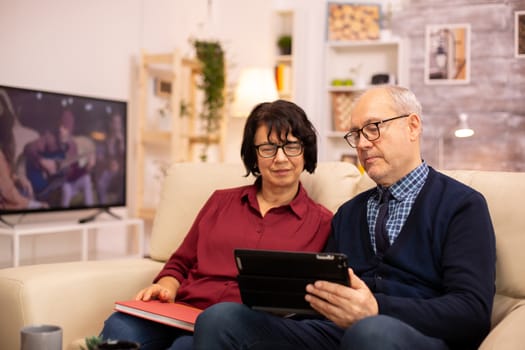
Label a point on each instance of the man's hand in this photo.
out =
(342, 304)
(164, 290)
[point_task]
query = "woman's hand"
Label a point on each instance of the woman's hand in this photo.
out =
(164, 290)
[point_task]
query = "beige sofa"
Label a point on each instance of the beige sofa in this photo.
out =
(79, 295)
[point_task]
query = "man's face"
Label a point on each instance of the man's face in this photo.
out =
(396, 152)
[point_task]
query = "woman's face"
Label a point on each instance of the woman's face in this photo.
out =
(280, 170)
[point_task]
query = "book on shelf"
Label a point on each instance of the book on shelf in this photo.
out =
(283, 77)
(172, 314)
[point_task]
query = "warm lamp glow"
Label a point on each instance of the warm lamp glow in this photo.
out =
(463, 129)
(255, 85)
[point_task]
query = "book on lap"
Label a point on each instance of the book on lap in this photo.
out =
(172, 314)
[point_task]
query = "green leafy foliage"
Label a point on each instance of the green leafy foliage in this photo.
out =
(211, 55)
(92, 342)
(285, 44)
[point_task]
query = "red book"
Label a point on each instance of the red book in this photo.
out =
(172, 314)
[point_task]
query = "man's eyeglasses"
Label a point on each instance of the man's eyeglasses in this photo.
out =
(269, 150)
(370, 131)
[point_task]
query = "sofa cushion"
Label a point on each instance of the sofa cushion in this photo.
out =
(332, 183)
(77, 296)
(508, 316)
(186, 187)
(503, 192)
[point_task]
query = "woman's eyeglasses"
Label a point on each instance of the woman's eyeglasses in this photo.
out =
(269, 150)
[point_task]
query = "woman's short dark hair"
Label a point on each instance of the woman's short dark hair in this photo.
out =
(283, 118)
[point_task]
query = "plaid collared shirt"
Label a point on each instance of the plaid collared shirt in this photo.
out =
(404, 194)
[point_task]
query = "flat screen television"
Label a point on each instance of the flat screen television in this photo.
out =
(60, 151)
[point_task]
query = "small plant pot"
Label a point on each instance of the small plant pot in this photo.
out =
(287, 50)
(117, 345)
(285, 44)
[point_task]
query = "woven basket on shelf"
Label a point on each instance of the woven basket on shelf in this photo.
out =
(341, 106)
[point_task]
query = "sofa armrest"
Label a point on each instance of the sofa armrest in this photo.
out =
(78, 296)
(508, 318)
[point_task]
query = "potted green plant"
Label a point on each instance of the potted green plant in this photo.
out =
(92, 342)
(97, 343)
(211, 56)
(284, 42)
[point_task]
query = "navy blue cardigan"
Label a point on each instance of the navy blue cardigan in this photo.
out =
(439, 275)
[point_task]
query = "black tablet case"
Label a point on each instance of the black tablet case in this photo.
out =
(275, 281)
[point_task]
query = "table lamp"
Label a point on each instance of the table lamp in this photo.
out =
(255, 85)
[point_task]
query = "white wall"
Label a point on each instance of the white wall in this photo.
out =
(77, 47)
(308, 49)
(85, 47)
(89, 48)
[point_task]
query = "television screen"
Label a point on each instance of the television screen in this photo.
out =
(60, 151)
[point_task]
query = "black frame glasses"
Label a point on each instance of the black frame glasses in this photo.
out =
(269, 150)
(370, 131)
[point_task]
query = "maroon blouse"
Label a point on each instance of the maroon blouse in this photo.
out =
(204, 262)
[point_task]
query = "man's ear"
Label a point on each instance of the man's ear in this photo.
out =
(414, 126)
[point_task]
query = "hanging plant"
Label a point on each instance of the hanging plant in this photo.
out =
(211, 56)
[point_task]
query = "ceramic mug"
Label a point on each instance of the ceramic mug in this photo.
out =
(41, 337)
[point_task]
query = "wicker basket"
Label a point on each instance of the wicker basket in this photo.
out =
(341, 106)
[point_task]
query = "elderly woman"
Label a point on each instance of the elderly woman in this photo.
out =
(279, 143)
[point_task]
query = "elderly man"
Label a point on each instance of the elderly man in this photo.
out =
(420, 245)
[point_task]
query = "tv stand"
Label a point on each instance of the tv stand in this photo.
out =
(18, 231)
(8, 224)
(94, 216)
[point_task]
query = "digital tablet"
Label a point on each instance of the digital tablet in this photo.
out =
(275, 281)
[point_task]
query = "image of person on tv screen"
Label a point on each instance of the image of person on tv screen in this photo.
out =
(275, 212)
(110, 163)
(22, 135)
(55, 165)
(12, 188)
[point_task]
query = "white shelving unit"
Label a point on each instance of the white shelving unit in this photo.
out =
(175, 80)
(357, 61)
(19, 231)
(284, 63)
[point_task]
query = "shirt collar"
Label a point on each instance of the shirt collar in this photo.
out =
(298, 205)
(411, 183)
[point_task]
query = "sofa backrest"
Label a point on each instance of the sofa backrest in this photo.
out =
(504, 192)
(188, 185)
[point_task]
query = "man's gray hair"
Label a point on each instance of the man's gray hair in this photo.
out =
(404, 100)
